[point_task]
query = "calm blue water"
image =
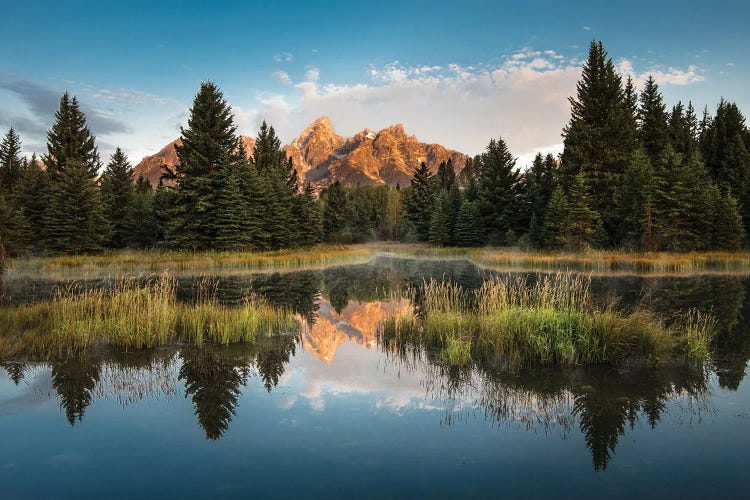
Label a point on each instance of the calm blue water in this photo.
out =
(332, 414)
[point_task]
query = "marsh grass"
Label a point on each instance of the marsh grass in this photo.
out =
(600, 261)
(551, 322)
(132, 315)
(158, 261)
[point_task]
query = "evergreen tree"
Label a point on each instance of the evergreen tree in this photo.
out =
(309, 218)
(497, 191)
(31, 195)
(14, 234)
(468, 232)
(10, 161)
(278, 189)
(446, 176)
(728, 229)
(419, 201)
(335, 211)
(558, 222)
(681, 129)
(726, 150)
(585, 220)
(209, 144)
(231, 210)
(70, 139)
(141, 228)
(672, 203)
(539, 182)
(637, 203)
(601, 135)
(652, 116)
(117, 195)
(440, 222)
(74, 221)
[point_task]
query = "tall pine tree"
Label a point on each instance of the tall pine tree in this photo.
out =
(497, 191)
(117, 194)
(209, 144)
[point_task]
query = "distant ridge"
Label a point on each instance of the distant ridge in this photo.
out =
(322, 157)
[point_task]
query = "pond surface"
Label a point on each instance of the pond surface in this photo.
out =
(331, 413)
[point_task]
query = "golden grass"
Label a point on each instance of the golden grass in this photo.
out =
(598, 261)
(131, 316)
(552, 322)
(507, 259)
(158, 261)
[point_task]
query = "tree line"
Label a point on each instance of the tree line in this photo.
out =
(632, 175)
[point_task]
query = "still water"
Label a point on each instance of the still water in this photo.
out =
(328, 412)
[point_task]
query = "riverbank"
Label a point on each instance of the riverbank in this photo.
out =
(502, 259)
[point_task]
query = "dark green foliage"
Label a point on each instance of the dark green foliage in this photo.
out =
(497, 191)
(637, 204)
(672, 202)
(277, 190)
(117, 195)
(728, 229)
(308, 216)
(584, 219)
(335, 211)
(74, 221)
(601, 134)
(538, 183)
(141, 226)
(652, 115)
(31, 193)
(231, 209)
(14, 230)
(725, 145)
(683, 129)
(440, 221)
(70, 139)
(209, 144)
(558, 222)
(10, 161)
(418, 202)
(468, 232)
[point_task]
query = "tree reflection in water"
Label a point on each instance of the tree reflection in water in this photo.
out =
(601, 402)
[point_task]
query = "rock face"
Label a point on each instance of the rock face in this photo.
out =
(322, 157)
(150, 167)
(357, 322)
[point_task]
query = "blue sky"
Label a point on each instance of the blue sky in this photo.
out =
(454, 73)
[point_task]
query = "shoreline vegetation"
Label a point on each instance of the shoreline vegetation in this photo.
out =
(321, 256)
(134, 316)
(552, 322)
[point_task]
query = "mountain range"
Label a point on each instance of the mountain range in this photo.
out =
(323, 157)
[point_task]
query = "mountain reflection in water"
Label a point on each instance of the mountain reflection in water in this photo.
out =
(336, 355)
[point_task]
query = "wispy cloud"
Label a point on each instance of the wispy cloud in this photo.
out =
(42, 102)
(662, 76)
(283, 57)
(522, 98)
(282, 77)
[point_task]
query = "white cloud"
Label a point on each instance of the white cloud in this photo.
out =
(523, 99)
(668, 76)
(282, 77)
(312, 74)
(283, 57)
(586, 28)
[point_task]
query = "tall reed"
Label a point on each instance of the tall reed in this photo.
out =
(133, 315)
(550, 322)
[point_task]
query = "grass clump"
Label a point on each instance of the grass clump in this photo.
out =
(131, 315)
(551, 322)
